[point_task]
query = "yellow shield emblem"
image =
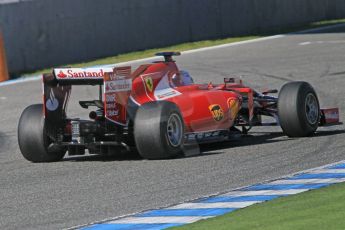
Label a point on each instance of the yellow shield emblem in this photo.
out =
(149, 83)
(217, 112)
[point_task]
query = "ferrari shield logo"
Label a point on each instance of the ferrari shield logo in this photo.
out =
(149, 83)
(233, 107)
(216, 111)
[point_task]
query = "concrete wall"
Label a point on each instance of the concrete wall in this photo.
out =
(43, 33)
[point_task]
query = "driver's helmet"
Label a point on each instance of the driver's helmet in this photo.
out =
(186, 78)
(182, 78)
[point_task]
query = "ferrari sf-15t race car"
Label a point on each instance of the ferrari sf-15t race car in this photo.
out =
(158, 110)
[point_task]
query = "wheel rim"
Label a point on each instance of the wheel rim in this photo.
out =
(312, 109)
(174, 130)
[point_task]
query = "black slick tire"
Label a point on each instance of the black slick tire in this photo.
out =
(298, 109)
(32, 139)
(159, 130)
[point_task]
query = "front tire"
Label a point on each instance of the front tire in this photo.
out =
(298, 109)
(159, 130)
(32, 138)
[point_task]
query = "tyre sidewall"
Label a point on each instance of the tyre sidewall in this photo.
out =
(32, 138)
(150, 130)
(292, 109)
(304, 91)
(167, 112)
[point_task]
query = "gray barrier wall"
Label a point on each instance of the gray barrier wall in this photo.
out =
(43, 33)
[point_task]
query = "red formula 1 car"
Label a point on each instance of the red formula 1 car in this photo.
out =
(158, 110)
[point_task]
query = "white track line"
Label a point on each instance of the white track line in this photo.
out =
(309, 181)
(215, 205)
(234, 44)
(264, 192)
(38, 77)
(21, 80)
(327, 171)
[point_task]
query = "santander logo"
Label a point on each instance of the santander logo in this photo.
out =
(61, 74)
(79, 73)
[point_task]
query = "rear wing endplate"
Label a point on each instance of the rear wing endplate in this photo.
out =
(117, 89)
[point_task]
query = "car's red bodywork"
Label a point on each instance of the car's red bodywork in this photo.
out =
(204, 107)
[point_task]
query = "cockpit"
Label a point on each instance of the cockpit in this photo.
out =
(181, 78)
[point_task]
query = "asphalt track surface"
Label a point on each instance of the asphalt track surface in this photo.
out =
(80, 190)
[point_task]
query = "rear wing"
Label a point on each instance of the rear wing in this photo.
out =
(78, 76)
(115, 88)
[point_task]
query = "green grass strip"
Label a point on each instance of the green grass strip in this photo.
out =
(190, 45)
(317, 209)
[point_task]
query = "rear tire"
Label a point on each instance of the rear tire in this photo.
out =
(32, 139)
(159, 130)
(298, 109)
